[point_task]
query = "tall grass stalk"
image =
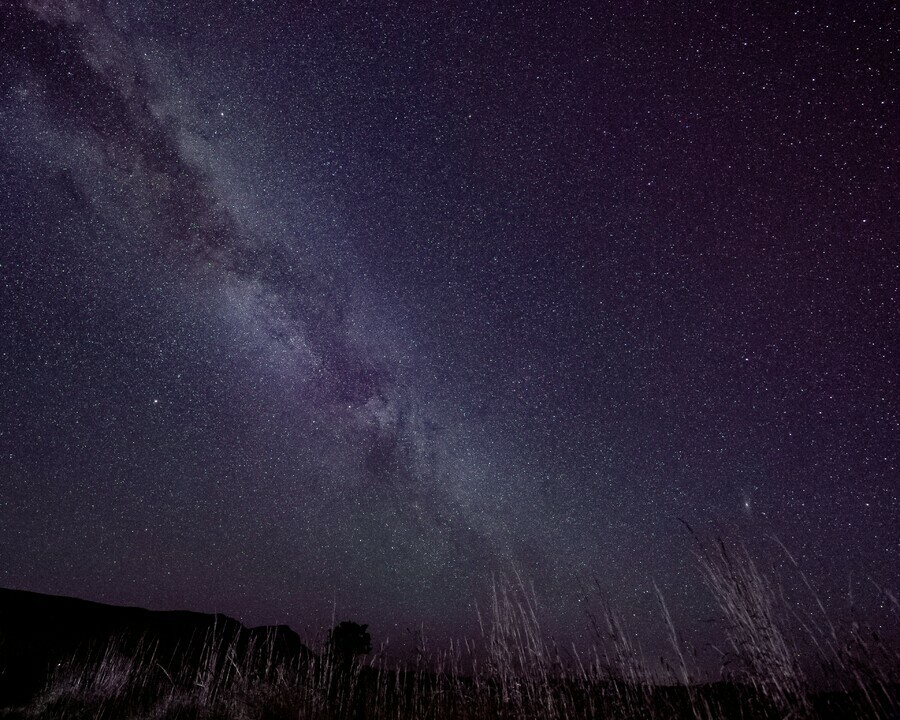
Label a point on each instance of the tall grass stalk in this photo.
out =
(512, 670)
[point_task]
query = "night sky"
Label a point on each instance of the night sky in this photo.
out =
(307, 304)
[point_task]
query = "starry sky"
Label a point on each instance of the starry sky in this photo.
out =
(309, 304)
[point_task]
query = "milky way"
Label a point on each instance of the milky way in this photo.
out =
(315, 304)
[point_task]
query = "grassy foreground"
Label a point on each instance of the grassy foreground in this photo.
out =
(514, 671)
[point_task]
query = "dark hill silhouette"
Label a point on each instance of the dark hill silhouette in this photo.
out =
(37, 632)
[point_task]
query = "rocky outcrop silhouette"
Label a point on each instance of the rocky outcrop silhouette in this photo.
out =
(39, 633)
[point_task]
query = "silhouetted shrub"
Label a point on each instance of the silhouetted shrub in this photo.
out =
(349, 639)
